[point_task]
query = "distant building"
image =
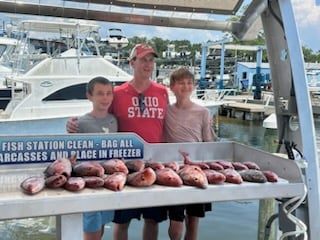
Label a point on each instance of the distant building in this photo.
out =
(245, 72)
(313, 74)
(312, 66)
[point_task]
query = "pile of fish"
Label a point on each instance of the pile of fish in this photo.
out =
(114, 174)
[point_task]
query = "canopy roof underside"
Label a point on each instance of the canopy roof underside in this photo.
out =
(219, 15)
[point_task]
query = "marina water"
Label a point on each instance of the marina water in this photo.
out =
(234, 220)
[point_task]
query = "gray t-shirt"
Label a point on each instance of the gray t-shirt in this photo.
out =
(90, 124)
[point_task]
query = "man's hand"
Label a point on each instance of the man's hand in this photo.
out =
(72, 125)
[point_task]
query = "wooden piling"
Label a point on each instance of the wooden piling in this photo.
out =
(266, 210)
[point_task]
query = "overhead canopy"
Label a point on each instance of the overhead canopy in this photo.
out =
(194, 14)
(203, 6)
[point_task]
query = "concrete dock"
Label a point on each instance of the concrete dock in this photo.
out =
(246, 108)
(245, 111)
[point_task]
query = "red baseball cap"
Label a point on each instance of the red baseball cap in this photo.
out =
(140, 50)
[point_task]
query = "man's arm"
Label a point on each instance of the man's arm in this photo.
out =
(72, 125)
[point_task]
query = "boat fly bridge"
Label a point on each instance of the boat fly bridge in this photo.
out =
(276, 19)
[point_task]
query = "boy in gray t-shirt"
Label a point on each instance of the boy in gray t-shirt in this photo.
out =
(99, 120)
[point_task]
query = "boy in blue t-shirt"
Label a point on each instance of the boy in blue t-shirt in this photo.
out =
(99, 120)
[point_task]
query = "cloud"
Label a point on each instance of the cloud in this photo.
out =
(307, 15)
(306, 12)
(193, 35)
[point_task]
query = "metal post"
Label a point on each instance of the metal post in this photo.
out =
(258, 77)
(224, 40)
(69, 227)
(306, 117)
(221, 66)
(203, 62)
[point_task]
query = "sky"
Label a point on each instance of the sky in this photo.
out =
(307, 13)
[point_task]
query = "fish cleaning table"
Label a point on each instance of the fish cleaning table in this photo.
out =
(23, 156)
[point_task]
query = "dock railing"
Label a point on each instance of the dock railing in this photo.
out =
(216, 94)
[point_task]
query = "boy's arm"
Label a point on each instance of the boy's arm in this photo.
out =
(208, 133)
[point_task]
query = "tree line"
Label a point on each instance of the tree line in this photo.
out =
(160, 45)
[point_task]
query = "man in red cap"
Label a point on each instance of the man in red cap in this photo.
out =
(139, 106)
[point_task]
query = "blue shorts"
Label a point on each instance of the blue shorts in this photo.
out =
(158, 214)
(93, 221)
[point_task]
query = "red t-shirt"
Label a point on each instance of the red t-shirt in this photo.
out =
(147, 123)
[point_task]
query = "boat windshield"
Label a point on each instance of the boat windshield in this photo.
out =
(2, 49)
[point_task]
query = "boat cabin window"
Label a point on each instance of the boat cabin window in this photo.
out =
(118, 83)
(69, 93)
(2, 49)
(72, 92)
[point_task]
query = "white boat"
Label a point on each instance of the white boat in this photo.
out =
(116, 38)
(16, 57)
(55, 87)
(7, 48)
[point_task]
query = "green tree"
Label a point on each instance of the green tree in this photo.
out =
(159, 44)
(309, 55)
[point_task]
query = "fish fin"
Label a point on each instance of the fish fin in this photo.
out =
(73, 158)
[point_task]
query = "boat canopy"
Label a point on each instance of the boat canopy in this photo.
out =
(56, 27)
(203, 6)
(200, 14)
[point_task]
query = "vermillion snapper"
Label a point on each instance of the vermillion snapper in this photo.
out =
(168, 177)
(193, 175)
(61, 166)
(88, 168)
(143, 178)
(33, 185)
(114, 165)
(115, 181)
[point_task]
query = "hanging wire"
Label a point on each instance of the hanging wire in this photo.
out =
(301, 226)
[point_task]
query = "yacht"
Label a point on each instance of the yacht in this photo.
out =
(16, 58)
(7, 48)
(116, 38)
(56, 86)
